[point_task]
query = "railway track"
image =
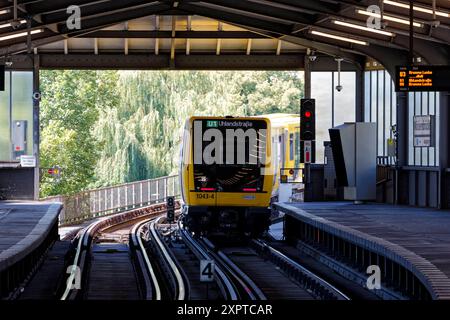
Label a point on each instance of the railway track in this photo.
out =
(111, 260)
(254, 271)
(176, 279)
(135, 255)
(179, 256)
(275, 275)
(246, 288)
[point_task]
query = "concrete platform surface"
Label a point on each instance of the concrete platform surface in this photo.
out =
(418, 237)
(23, 227)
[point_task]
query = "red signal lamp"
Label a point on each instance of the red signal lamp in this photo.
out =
(308, 114)
(207, 189)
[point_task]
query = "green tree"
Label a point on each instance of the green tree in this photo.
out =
(265, 92)
(69, 111)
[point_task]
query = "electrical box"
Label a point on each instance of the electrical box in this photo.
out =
(391, 147)
(354, 154)
(19, 138)
(329, 173)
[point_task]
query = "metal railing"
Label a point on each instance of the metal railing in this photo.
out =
(385, 161)
(104, 201)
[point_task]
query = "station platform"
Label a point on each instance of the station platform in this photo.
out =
(416, 238)
(26, 230)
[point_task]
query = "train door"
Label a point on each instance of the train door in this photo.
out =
(282, 141)
(291, 150)
(185, 154)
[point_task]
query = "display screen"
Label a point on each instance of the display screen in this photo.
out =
(229, 155)
(422, 78)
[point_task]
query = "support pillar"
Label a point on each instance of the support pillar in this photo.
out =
(307, 85)
(360, 86)
(444, 150)
(36, 123)
(402, 145)
(402, 129)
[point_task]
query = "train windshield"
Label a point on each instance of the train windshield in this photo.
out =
(229, 155)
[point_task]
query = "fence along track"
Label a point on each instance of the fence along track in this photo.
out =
(116, 199)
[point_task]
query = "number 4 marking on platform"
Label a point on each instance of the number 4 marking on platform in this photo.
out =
(207, 270)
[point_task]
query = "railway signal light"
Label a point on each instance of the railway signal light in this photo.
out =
(54, 172)
(307, 130)
(170, 215)
(170, 203)
(307, 119)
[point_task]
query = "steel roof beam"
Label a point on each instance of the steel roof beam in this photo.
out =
(42, 7)
(87, 26)
(181, 61)
(100, 9)
(307, 6)
(327, 48)
(282, 14)
(94, 23)
(242, 20)
(51, 20)
(139, 34)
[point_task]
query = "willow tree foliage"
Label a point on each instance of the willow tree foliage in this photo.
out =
(129, 125)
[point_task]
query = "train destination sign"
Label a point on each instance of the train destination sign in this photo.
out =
(422, 78)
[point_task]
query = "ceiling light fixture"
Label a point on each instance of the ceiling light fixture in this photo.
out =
(9, 24)
(417, 8)
(21, 34)
(390, 18)
(332, 36)
(363, 28)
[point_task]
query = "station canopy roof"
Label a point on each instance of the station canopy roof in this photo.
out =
(194, 34)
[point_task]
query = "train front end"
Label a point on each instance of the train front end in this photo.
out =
(227, 175)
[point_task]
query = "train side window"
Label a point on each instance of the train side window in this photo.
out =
(185, 146)
(291, 146)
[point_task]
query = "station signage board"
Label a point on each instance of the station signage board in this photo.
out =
(207, 268)
(27, 161)
(422, 78)
(424, 131)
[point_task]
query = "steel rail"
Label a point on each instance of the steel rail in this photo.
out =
(83, 241)
(181, 294)
(320, 281)
(249, 286)
(86, 235)
(227, 287)
(137, 239)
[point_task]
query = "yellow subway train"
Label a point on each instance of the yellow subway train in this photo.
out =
(229, 170)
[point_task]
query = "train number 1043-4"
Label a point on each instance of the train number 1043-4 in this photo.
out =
(205, 195)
